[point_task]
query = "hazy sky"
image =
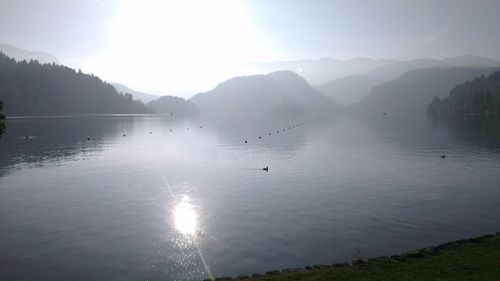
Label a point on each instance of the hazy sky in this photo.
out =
(179, 47)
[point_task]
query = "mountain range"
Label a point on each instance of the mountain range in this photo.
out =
(363, 84)
(350, 89)
(410, 93)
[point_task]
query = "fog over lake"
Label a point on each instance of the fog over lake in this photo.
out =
(138, 197)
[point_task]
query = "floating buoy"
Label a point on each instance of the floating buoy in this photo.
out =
(246, 141)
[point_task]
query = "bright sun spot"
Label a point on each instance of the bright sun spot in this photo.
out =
(181, 42)
(185, 217)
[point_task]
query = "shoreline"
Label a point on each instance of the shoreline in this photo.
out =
(476, 258)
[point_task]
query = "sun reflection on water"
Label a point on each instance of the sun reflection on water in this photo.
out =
(185, 217)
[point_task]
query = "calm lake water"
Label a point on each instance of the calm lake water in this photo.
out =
(140, 202)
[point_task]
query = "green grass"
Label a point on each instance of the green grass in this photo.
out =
(471, 259)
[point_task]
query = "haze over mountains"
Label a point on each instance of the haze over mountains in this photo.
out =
(320, 71)
(144, 97)
(277, 93)
(411, 92)
(20, 54)
(371, 85)
(350, 89)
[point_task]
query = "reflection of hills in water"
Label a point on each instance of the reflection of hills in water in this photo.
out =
(52, 139)
(481, 130)
(35, 141)
(56, 138)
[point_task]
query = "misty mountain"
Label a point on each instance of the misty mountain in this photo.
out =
(321, 71)
(472, 60)
(31, 88)
(349, 89)
(277, 93)
(21, 54)
(479, 96)
(411, 92)
(144, 97)
(393, 71)
(172, 105)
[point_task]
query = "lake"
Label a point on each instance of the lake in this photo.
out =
(126, 197)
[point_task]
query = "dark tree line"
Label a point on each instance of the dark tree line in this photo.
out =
(31, 88)
(479, 96)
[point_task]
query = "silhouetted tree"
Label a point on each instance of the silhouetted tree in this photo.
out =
(31, 88)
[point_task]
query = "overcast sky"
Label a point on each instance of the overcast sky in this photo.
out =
(179, 47)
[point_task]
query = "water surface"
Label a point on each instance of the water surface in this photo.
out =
(162, 198)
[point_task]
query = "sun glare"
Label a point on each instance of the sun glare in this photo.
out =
(191, 41)
(185, 217)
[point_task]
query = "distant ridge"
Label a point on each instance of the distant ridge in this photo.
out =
(350, 89)
(144, 97)
(320, 71)
(20, 54)
(411, 92)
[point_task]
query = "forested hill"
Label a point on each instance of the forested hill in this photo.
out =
(479, 96)
(31, 88)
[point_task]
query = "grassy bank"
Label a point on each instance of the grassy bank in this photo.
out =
(470, 259)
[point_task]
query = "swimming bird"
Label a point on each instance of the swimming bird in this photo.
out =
(88, 138)
(123, 134)
(269, 133)
(260, 137)
(266, 169)
(443, 156)
(246, 141)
